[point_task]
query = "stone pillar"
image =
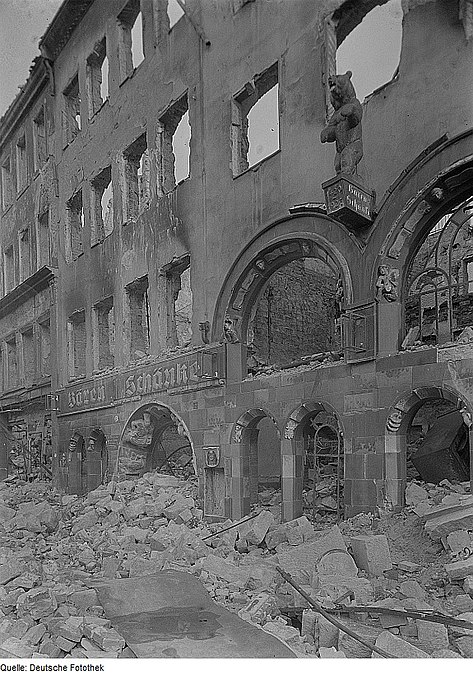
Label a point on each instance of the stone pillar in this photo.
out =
(389, 325)
(4, 447)
(251, 437)
(235, 361)
(395, 468)
(237, 479)
(291, 478)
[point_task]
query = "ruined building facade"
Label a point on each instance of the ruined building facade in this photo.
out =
(203, 307)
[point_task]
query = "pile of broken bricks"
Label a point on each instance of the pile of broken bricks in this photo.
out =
(52, 546)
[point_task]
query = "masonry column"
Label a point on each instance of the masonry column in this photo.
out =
(237, 476)
(291, 477)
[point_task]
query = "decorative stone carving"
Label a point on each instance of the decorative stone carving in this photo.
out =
(212, 457)
(344, 126)
(237, 434)
(229, 332)
(339, 298)
(386, 284)
(140, 431)
(289, 429)
(394, 420)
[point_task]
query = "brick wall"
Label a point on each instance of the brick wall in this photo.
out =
(296, 313)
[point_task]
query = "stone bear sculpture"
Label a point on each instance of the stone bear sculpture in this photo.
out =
(344, 126)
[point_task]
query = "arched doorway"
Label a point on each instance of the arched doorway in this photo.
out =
(76, 466)
(313, 433)
(96, 459)
(428, 437)
(155, 438)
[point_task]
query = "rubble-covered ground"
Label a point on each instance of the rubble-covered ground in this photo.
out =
(419, 560)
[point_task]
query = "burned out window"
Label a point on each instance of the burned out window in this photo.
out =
(77, 344)
(131, 47)
(74, 227)
(7, 183)
(71, 119)
(97, 77)
(9, 269)
(40, 142)
(136, 178)
(12, 363)
(104, 334)
(295, 316)
(21, 164)
(43, 240)
(29, 360)
(44, 348)
(102, 206)
(179, 303)
(138, 322)
(25, 251)
(255, 121)
(439, 303)
(174, 135)
(363, 36)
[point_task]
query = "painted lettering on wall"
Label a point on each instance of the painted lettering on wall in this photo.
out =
(160, 379)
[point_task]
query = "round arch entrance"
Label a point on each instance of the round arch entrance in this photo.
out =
(155, 438)
(429, 435)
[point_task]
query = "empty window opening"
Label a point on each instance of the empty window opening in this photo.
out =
(131, 50)
(438, 444)
(44, 239)
(179, 305)
(40, 147)
(12, 363)
(25, 243)
(255, 121)
(29, 361)
(74, 227)
(265, 467)
(9, 269)
(21, 164)
(295, 316)
(71, 115)
(102, 213)
(97, 77)
(7, 183)
(104, 335)
(439, 302)
(323, 483)
(139, 315)
(174, 141)
(45, 348)
(175, 12)
(136, 165)
(77, 344)
(369, 46)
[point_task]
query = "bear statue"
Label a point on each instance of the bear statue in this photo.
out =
(344, 126)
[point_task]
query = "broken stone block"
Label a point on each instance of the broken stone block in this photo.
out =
(254, 531)
(19, 628)
(325, 633)
(463, 603)
(282, 631)
(275, 537)
(442, 520)
(84, 599)
(6, 513)
(354, 649)
(397, 647)
(409, 630)
(110, 566)
(371, 553)
(262, 576)
(445, 654)
(407, 566)
(465, 646)
(460, 569)
(309, 620)
(135, 508)
(337, 563)
(72, 628)
(468, 584)
(49, 648)
(140, 566)
(34, 634)
(458, 540)
(431, 635)
(331, 653)
(412, 589)
(415, 494)
(17, 647)
(38, 602)
(107, 639)
(336, 586)
(184, 517)
(259, 608)
(458, 631)
(10, 571)
(225, 570)
(65, 644)
(422, 509)
(85, 522)
(306, 556)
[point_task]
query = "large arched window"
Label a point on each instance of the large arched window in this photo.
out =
(439, 293)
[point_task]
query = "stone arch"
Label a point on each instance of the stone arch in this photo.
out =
(400, 416)
(293, 450)
(281, 243)
(139, 445)
(407, 214)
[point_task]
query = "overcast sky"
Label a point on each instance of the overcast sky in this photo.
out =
(22, 22)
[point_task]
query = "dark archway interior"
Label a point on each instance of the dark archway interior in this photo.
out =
(438, 443)
(266, 466)
(154, 439)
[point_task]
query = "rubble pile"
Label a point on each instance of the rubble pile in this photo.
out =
(395, 569)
